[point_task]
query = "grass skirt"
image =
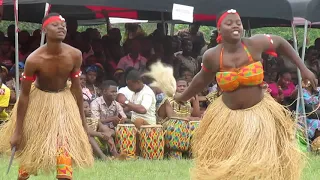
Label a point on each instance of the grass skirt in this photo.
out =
(52, 120)
(253, 143)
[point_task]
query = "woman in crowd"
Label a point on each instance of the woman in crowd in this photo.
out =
(91, 79)
(311, 101)
(283, 89)
(244, 134)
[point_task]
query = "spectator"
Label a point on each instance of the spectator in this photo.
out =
(193, 34)
(133, 59)
(6, 53)
(97, 130)
(106, 109)
(185, 61)
(4, 101)
(91, 77)
(143, 102)
(284, 88)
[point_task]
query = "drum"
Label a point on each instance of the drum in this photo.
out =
(177, 135)
(152, 142)
(193, 125)
(126, 139)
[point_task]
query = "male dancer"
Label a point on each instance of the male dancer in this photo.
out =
(47, 125)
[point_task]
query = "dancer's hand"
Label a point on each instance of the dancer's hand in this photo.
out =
(177, 98)
(308, 75)
(194, 98)
(16, 140)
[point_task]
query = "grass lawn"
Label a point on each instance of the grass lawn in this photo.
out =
(141, 170)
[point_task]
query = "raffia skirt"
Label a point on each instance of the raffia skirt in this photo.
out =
(52, 120)
(253, 143)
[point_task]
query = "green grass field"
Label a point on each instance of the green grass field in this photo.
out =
(141, 170)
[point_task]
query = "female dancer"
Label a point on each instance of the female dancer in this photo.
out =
(245, 134)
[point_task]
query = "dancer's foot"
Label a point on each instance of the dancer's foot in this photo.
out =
(316, 145)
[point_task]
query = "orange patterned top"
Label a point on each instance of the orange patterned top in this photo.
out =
(250, 75)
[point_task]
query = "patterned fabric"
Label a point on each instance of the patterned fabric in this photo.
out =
(159, 98)
(92, 123)
(177, 135)
(180, 110)
(101, 110)
(126, 139)
(212, 96)
(152, 142)
(193, 125)
(87, 95)
(23, 174)
(313, 124)
(249, 75)
(310, 99)
(64, 163)
(64, 166)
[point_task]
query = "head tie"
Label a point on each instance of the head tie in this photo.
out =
(52, 19)
(221, 18)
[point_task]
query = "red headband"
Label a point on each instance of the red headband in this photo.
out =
(52, 19)
(221, 18)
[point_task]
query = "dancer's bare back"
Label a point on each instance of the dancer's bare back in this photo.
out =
(53, 70)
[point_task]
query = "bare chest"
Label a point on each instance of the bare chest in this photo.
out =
(56, 66)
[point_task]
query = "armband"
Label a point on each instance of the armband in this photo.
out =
(75, 74)
(204, 68)
(28, 78)
(271, 51)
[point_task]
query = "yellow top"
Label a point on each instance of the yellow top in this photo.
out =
(4, 101)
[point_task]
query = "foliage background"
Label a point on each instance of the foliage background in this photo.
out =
(150, 27)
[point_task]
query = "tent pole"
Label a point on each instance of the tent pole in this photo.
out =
(163, 24)
(300, 86)
(249, 29)
(295, 46)
(43, 35)
(16, 41)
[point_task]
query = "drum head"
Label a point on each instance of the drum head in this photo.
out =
(126, 125)
(194, 121)
(151, 126)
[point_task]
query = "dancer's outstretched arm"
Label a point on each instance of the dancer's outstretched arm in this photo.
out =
(281, 46)
(210, 66)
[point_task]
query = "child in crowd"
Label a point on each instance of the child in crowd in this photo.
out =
(98, 133)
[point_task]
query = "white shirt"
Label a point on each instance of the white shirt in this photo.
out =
(126, 92)
(147, 99)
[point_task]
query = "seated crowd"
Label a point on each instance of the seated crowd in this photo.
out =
(114, 91)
